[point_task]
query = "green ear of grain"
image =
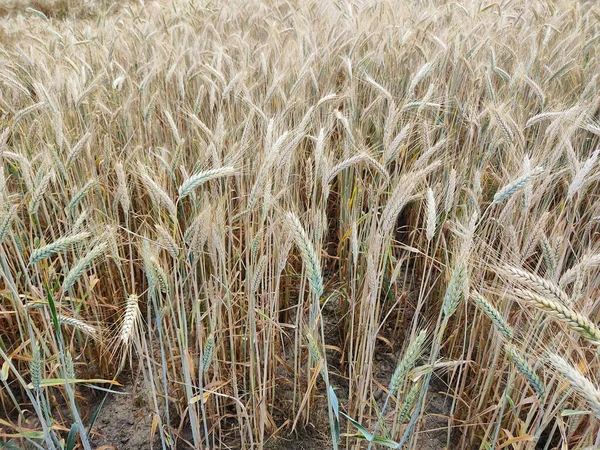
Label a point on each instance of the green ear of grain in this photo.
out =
(511, 188)
(408, 403)
(409, 359)
(81, 266)
(455, 292)
(519, 361)
(207, 353)
(308, 254)
(57, 246)
(494, 315)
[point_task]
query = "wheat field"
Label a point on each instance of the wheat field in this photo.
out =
(300, 224)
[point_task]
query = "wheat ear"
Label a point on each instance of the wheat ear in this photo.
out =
(122, 194)
(202, 177)
(57, 246)
(455, 291)
(82, 265)
(431, 215)
(411, 355)
(579, 179)
(158, 193)
(6, 221)
(579, 382)
(80, 195)
(543, 286)
(523, 366)
(516, 185)
(399, 197)
(356, 159)
(308, 254)
(586, 263)
(493, 314)
(408, 403)
(564, 314)
(130, 319)
(76, 323)
(207, 353)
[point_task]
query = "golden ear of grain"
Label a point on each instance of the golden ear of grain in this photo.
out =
(586, 263)
(431, 215)
(353, 160)
(543, 286)
(580, 178)
(571, 318)
(157, 277)
(158, 193)
(578, 381)
(202, 177)
(122, 194)
(130, 319)
(398, 199)
(76, 323)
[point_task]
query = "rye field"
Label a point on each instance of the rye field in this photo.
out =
(299, 224)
